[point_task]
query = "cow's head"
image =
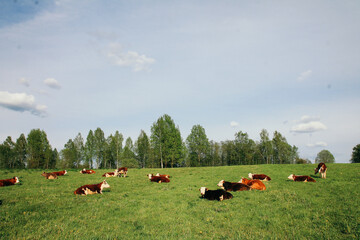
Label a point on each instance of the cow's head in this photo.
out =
(150, 175)
(250, 175)
(105, 184)
(291, 177)
(16, 179)
(203, 190)
(65, 172)
(221, 183)
(243, 180)
(316, 170)
(158, 174)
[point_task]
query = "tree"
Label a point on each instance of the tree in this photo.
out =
(166, 141)
(355, 156)
(118, 141)
(198, 145)
(99, 146)
(142, 148)
(79, 147)
(89, 149)
(265, 147)
(129, 159)
(39, 149)
(324, 156)
(21, 151)
(69, 155)
(7, 153)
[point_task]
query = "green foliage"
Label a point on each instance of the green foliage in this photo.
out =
(324, 156)
(135, 208)
(142, 149)
(355, 156)
(198, 145)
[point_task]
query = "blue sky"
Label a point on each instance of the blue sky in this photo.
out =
(291, 66)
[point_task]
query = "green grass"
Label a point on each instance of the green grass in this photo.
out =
(135, 208)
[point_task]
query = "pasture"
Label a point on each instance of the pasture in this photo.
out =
(135, 208)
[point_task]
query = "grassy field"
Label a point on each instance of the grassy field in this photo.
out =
(134, 208)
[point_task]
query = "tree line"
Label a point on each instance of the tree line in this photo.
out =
(164, 148)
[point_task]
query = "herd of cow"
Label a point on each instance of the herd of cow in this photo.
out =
(255, 182)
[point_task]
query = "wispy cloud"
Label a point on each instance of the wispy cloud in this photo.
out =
(52, 83)
(21, 102)
(317, 144)
(308, 124)
(234, 124)
(304, 75)
(131, 59)
(24, 82)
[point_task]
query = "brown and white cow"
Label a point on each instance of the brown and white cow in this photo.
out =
(60, 173)
(162, 175)
(321, 168)
(302, 178)
(218, 194)
(9, 182)
(233, 186)
(158, 179)
(84, 171)
(49, 175)
(261, 177)
(92, 189)
(122, 171)
(253, 183)
(111, 174)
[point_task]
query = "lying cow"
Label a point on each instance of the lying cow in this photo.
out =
(84, 171)
(49, 175)
(9, 182)
(122, 171)
(301, 178)
(92, 189)
(60, 173)
(254, 184)
(219, 194)
(233, 186)
(111, 174)
(162, 175)
(158, 179)
(262, 177)
(321, 168)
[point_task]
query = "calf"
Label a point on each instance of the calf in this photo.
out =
(84, 171)
(158, 179)
(233, 186)
(60, 173)
(92, 189)
(49, 175)
(262, 177)
(162, 175)
(301, 178)
(219, 194)
(111, 174)
(9, 182)
(254, 184)
(321, 168)
(122, 171)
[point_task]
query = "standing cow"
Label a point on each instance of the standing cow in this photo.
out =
(321, 168)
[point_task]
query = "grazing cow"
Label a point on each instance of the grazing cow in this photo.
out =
(254, 184)
(158, 179)
(321, 168)
(111, 174)
(84, 171)
(49, 175)
(122, 171)
(162, 175)
(218, 194)
(233, 186)
(92, 189)
(9, 182)
(301, 178)
(60, 173)
(262, 177)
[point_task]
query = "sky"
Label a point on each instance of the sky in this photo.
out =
(68, 67)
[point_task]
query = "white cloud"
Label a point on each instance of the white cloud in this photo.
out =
(304, 75)
(317, 144)
(21, 102)
(234, 124)
(52, 82)
(307, 119)
(129, 59)
(309, 127)
(24, 82)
